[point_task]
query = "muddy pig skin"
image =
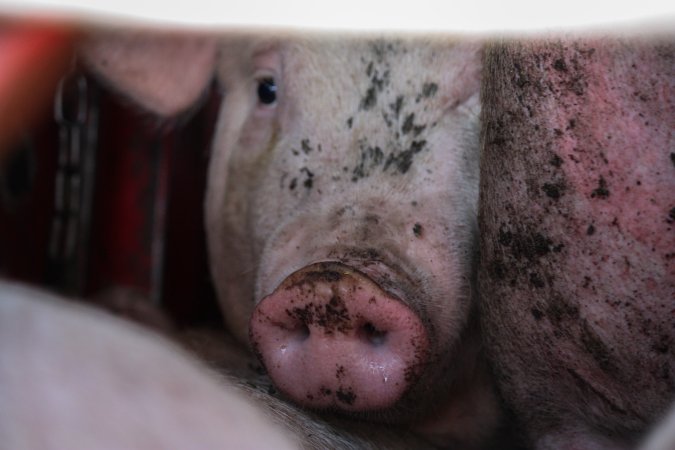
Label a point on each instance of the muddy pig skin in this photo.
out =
(73, 377)
(341, 213)
(576, 219)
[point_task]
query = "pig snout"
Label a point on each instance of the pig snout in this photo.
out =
(330, 337)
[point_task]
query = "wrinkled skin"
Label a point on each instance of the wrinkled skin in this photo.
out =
(577, 236)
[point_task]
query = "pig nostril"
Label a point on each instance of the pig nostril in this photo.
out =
(302, 332)
(372, 335)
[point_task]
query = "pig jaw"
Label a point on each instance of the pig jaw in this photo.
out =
(332, 338)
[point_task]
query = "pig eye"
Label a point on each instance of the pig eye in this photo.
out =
(267, 91)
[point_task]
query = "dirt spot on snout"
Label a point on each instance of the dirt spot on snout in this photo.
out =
(332, 316)
(361, 348)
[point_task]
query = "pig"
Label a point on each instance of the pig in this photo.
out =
(349, 205)
(74, 377)
(576, 276)
(340, 212)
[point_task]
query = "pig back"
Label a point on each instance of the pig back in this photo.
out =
(576, 222)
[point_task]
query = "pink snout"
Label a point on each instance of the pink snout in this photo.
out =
(330, 337)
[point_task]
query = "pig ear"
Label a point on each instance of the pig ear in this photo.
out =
(165, 72)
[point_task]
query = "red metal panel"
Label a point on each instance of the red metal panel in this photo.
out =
(132, 165)
(33, 56)
(26, 203)
(188, 294)
(147, 221)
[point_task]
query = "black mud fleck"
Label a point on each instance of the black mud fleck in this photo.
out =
(556, 161)
(497, 270)
(309, 180)
(428, 90)
(369, 69)
(536, 314)
(529, 246)
(408, 123)
(332, 316)
(553, 190)
(397, 105)
(519, 78)
(536, 280)
(559, 65)
(305, 146)
(601, 191)
(559, 310)
(364, 254)
(325, 391)
(346, 396)
(369, 100)
(661, 346)
(587, 281)
(597, 348)
(335, 313)
(402, 161)
(505, 236)
(371, 157)
(409, 126)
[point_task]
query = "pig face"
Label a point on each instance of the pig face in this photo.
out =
(341, 214)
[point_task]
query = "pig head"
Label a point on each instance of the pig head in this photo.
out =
(340, 212)
(331, 211)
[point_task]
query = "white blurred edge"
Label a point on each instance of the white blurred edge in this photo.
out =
(663, 436)
(365, 15)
